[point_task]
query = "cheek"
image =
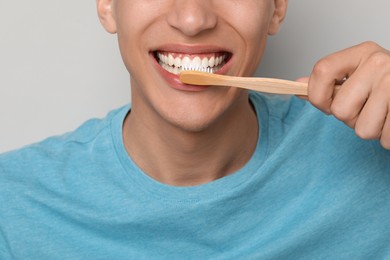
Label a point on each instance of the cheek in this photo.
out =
(131, 47)
(250, 18)
(254, 31)
(135, 19)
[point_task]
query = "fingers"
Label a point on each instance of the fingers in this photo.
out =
(326, 73)
(371, 120)
(351, 98)
(363, 101)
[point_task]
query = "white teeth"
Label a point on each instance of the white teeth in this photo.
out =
(212, 62)
(196, 62)
(177, 62)
(176, 65)
(205, 62)
(186, 62)
(171, 60)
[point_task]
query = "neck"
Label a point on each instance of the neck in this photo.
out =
(178, 157)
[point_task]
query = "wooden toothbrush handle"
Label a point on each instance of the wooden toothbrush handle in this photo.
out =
(267, 85)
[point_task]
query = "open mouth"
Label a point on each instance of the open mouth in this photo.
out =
(177, 62)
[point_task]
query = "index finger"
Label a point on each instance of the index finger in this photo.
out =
(331, 70)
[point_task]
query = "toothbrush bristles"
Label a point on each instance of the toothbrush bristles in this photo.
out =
(201, 69)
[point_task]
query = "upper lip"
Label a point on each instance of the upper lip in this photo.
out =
(191, 49)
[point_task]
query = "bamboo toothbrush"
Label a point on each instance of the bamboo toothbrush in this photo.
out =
(267, 85)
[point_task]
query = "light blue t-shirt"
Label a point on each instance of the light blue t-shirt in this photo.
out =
(312, 190)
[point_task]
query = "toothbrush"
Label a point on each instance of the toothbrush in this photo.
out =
(266, 85)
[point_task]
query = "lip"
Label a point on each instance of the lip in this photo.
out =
(191, 49)
(172, 79)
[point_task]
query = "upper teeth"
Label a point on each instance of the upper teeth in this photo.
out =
(177, 64)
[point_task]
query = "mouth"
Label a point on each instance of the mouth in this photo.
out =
(175, 63)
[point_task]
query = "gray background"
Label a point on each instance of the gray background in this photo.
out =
(58, 67)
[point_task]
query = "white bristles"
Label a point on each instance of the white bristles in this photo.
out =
(201, 69)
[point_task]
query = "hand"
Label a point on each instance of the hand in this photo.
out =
(363, 101)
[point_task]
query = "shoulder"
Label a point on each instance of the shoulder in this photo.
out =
(58, 150)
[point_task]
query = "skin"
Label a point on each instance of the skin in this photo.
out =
(363, 102)
(186, 138)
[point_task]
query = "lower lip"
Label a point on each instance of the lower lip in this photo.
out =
(174, 81)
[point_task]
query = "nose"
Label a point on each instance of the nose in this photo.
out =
(191, 17)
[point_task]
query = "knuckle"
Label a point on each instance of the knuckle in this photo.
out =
(378, 59)
(322, 67)
(370, 45)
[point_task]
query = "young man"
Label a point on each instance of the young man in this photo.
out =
(210, 172)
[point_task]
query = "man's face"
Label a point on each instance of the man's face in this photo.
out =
(157, 38)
